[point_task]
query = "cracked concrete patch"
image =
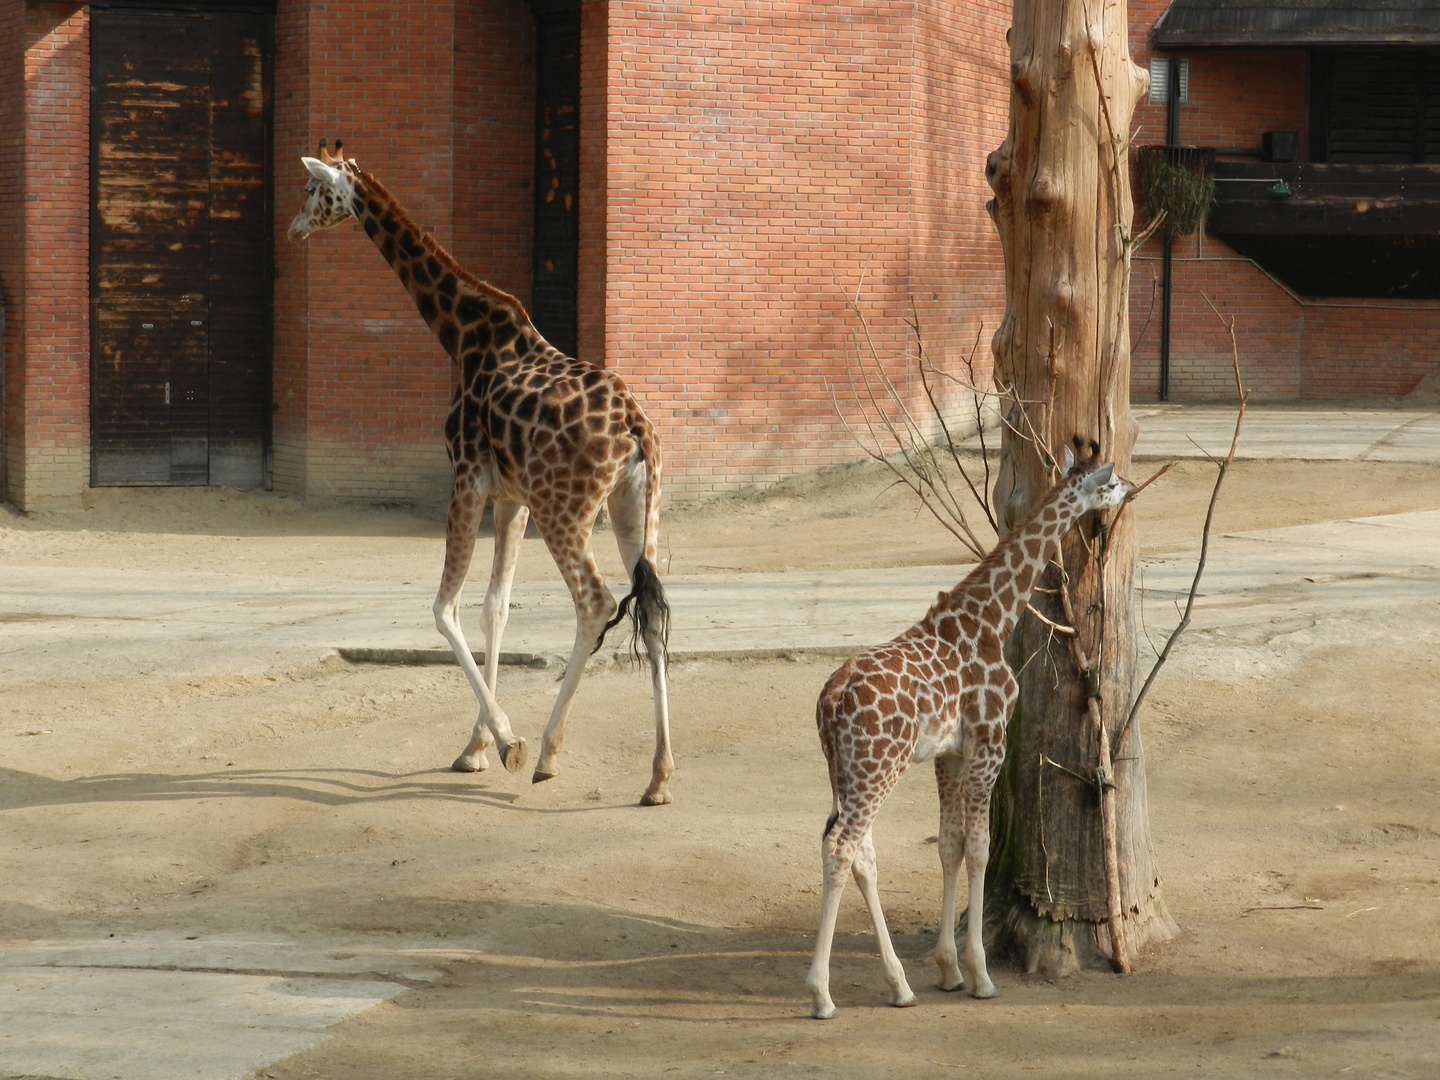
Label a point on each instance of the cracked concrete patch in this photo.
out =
(157, 1006)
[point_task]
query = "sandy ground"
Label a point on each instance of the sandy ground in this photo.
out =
(1292, 790)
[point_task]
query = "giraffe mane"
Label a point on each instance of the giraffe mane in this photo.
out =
(431, 246)
(997, 553)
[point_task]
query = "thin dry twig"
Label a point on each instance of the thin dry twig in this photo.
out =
(1224, 466)
(1149, 230)
(1285, 907)
(1057, 627)
(1149, 314)
(1158, 473)
(890, 421)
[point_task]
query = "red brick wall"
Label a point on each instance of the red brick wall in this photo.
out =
(960, 114)
(1291, 348)
(293, 135)
(763, 158)
(48, 385)
(494, 118)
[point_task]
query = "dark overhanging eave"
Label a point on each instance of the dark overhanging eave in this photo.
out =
(1227, 24)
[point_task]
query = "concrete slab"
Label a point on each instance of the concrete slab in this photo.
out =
(1297, 433)
(115, 622)
(162, 1007)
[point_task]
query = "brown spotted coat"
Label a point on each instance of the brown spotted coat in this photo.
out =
(943, 691)
(542, 434)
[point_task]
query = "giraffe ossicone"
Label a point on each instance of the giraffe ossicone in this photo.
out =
(542, 436)
(943, 691)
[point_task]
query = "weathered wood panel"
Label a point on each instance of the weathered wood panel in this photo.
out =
(1272, 23)
(180, 261)
(240, 258)
(149, 237)
(1382, 107)
(1306, 198)
(556, 245)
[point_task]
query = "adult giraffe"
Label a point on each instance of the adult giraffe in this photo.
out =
(542, 435)
(940, 690)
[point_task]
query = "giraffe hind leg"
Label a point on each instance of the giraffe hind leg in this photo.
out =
(867, 877)
(593, 607)
(836, 857)
(848, 849)
(462, 522)
(651, 617)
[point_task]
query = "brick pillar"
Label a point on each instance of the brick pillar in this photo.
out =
(47, 385)
(435, 98)
(12, 228)
(361, 384)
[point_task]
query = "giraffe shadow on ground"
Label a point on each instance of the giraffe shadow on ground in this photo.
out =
(322, 787)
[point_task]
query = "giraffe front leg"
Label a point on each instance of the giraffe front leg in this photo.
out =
(952, 853)
(461, 524)
(510, 521)
(977, 855)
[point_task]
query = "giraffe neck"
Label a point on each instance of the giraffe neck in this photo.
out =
(453, 302)
(1001, 585)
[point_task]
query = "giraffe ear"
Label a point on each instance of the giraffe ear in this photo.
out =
(1101, 476)
(320, 171)
(1068, 463)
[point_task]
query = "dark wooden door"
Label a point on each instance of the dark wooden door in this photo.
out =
(180, 248)
(556, 247)
(1376, 108)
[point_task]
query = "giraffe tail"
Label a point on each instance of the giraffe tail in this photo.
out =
(646, 607)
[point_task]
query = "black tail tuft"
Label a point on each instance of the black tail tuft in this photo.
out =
(830, 824)
(650, 612)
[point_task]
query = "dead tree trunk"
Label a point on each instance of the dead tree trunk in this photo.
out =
(1063, 210)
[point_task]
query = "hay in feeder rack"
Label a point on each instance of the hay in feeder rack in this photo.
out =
(1178, 180)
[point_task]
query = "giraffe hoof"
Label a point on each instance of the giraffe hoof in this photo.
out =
(951, 988)
(513, 756)
(541, 777)
(469, 763)
(985, 993)
(823, 1012)
(653, 798)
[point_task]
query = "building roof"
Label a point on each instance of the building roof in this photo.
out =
(1277, 23)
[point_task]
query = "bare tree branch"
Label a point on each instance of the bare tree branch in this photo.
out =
(1224, 466)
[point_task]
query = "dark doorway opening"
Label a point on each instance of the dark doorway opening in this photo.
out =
(180, 246)
(555, 248)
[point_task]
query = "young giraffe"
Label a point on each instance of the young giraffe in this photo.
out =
(539, 433)
(940, 690)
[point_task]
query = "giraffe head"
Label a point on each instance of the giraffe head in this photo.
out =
(328, 193)
(1095, 486)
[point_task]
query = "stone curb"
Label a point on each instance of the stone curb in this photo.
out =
(542, 661)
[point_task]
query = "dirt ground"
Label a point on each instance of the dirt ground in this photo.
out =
(1294, 808)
